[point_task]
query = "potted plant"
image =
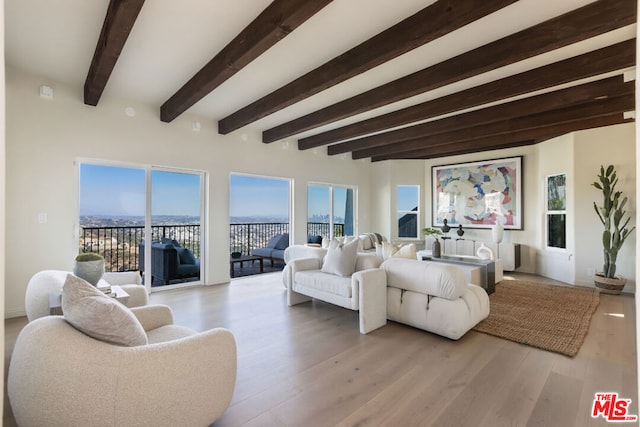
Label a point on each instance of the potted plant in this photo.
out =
(90, 267)
(616, 231)
(435, 247)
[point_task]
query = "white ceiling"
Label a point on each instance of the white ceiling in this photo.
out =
(172, 40)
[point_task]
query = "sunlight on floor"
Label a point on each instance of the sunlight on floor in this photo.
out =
(614, 314)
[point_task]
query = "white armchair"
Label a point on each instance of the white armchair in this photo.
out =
(58, 376)
(45, 282)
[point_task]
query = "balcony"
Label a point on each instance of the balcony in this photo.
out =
(119, 245)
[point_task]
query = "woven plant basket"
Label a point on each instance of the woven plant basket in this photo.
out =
(607, 285)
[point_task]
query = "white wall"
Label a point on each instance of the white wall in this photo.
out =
(603, 146)
(46, 137)
(2, 190)
(529, 237)
(579, 155)
(556, 157)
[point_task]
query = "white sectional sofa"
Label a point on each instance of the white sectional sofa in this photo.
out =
(365, 290)
(434, 297)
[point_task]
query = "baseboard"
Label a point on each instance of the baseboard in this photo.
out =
(14, 313)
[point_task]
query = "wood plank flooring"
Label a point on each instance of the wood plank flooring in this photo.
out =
(308, 365)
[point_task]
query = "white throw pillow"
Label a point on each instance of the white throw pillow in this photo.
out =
(406, 251)
(341, 258)
(100, 316)
(387, 250)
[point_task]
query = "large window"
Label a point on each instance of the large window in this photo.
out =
(116, 221)
(556, 214)
(258, 211)
(330, 210)
(408, 201)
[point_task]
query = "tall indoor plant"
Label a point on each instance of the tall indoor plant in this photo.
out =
(616, 231)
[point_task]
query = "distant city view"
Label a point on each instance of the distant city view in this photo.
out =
(112, 206)
(131, 221)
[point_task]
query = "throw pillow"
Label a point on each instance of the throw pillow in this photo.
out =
(273, 241)
(98, 315)
(341, 258)
(186, 256)
(166, 240)
(406, 251)
(283, 242)
(387, 250)
(367, 241)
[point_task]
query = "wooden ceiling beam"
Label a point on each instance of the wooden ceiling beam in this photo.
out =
(455, 151)
(509, 140)
(117, 25)
(432, 22)
(276, 22)
(589, 110)
(610, 87)
(605, 60)
(588, 21)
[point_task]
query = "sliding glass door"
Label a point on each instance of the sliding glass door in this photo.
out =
(122, 208)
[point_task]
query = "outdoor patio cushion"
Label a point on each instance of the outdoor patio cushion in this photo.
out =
(273, 241)
(283, 242)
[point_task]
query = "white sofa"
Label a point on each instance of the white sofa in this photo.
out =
(434, 297)
(364, 291)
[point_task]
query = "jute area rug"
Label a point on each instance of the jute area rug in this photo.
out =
(554, 318)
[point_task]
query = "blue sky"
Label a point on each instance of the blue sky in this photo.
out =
(120, 191)
(407, 197)
(256, 196)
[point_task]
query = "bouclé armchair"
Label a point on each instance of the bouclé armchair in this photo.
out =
(58, 376)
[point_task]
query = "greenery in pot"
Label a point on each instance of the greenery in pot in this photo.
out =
(432, 232)
(435, 246)
(612, 216)
(89, 256)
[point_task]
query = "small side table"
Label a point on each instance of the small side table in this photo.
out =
(245, 258)
(55, 299)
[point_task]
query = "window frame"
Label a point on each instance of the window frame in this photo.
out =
(549, 212)
(401, 212)
(332, 187)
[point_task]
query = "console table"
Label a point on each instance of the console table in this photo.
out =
(487, 268)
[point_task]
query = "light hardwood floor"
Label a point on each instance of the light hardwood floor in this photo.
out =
(309, 366)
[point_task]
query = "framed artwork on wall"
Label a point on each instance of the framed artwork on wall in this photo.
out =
(478, 194)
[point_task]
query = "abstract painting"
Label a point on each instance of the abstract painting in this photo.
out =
(479, 194)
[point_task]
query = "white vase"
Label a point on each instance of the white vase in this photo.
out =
(91, 271)
(497, 232)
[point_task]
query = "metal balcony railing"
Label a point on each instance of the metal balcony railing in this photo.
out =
(119, 245)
